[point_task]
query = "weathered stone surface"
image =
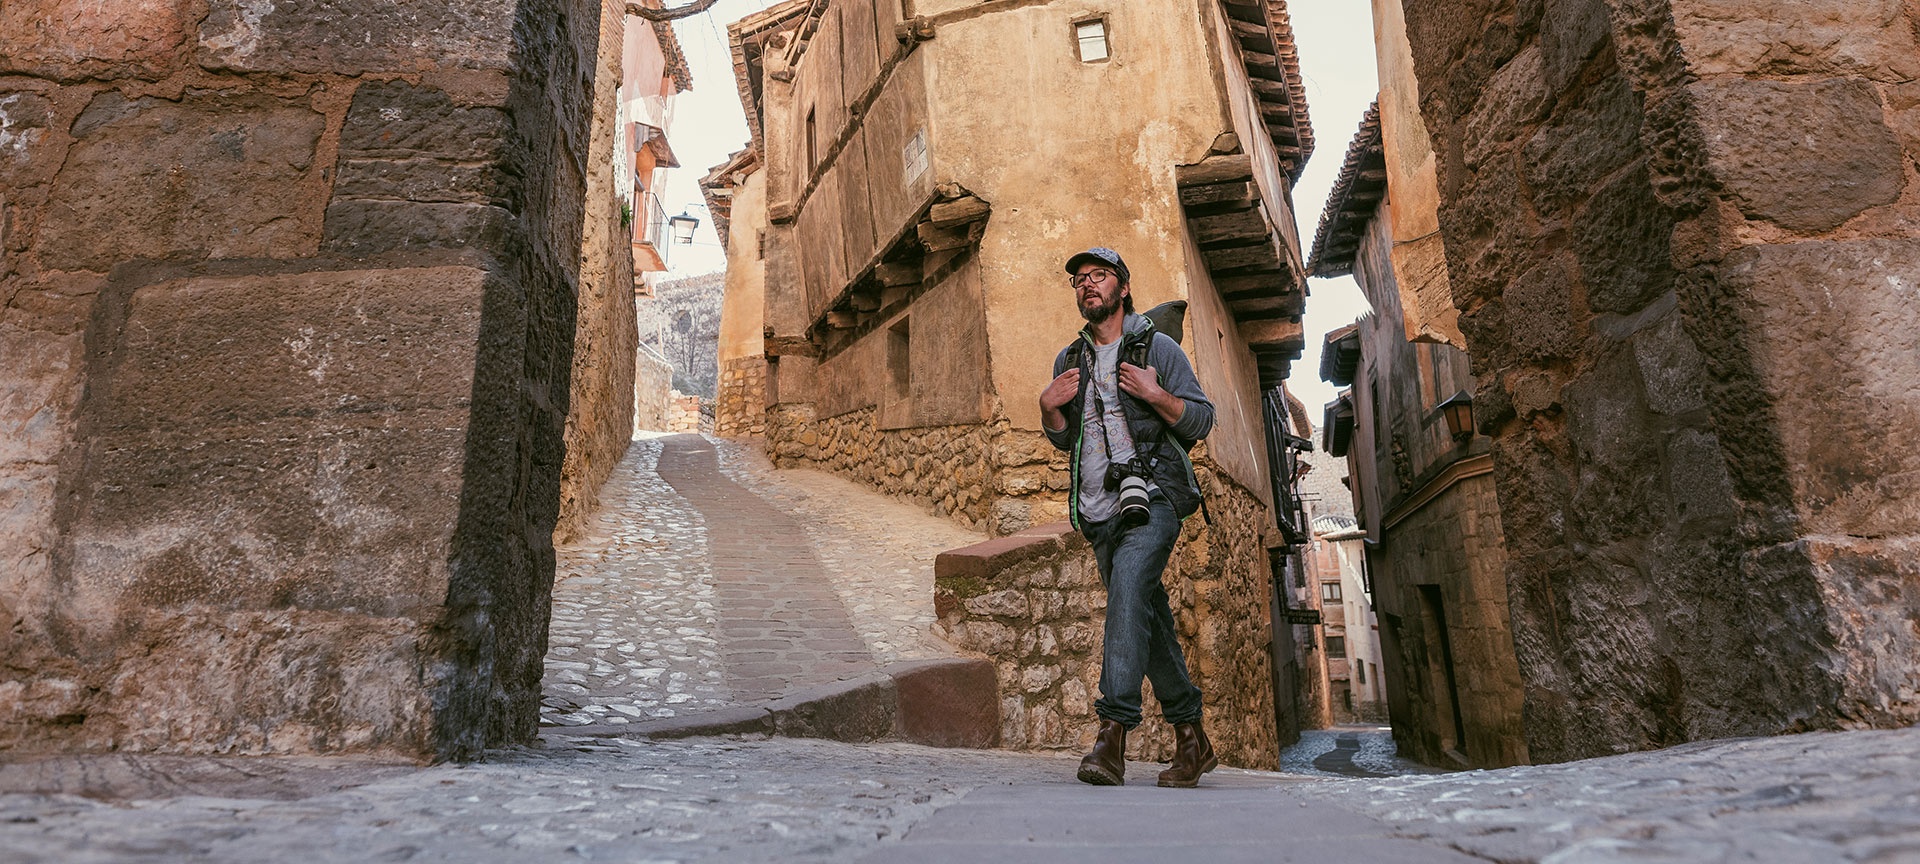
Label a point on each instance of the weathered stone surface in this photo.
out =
(1845, 159)
(69, 39)
(1581, 145)
(1870, 38)
(207, 177)
(1843, 366)
(334, 36)
(302, 506)
(1570, 31)
(1622, 240)
(1516, 96)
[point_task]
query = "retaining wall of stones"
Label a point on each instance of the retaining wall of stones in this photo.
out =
(1032, 602)
(741, 405)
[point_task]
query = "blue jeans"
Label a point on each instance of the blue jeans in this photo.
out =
(1140, 640)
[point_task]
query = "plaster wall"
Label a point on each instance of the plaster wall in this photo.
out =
(1419, 256)
(1097, 172)
(288, 307)
(743, 310)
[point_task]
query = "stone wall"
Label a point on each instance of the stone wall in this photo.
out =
(682, 322)
(1032, 602)
(947, 468)
(605, 342)
(652, 392)
(1679, 232)
(287, 294)
(741, 406)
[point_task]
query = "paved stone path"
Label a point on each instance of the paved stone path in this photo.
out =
(1831, 797)
(1349, 751)
(635, 620)
(877, 550)
(782, 625)
(708, 579)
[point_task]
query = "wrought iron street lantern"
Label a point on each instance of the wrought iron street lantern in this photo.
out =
(682, 227)
(1459, 413)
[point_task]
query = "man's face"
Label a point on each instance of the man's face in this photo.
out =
(1098, 291)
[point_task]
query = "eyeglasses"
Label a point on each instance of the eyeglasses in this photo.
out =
(1089, 277)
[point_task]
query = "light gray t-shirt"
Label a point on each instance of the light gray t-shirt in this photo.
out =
(1096, 503)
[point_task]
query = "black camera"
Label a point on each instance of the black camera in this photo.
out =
(1130, 480)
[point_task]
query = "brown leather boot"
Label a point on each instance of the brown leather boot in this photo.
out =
(1107, 764)
(1192, 757)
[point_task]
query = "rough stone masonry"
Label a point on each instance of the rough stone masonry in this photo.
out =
(286, 308)
(1681, 235)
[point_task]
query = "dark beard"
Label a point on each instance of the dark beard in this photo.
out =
(1097, 314)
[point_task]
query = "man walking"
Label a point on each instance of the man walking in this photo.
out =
(1125, 403)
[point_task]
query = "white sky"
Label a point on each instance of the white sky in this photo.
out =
(1335, 39)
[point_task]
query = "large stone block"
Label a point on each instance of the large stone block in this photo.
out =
(1844, 158)
(1869, 38)
(206, 177)
(1622, 238)
(274, 442)
(70, 39)
(353, 37)
(1589, 139)
(1842, 366)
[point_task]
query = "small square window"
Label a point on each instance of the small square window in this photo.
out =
(1092, 36)
(1330, 592)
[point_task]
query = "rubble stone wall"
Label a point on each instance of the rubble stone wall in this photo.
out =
(606, 338)
(1032, 602)
(741, 406)
(652, 392)
(287, 297)
(1694, 349)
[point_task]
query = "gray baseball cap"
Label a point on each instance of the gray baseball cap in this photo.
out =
(1100, 255)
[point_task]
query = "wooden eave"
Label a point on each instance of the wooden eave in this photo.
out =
(1340, 356)
(1264, 33)
(718, 186)
(926, 250)
(1336, 426)
(1356, 195)
(1247, 260)
(747, 39)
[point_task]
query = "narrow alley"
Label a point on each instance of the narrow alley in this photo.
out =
(738, 584)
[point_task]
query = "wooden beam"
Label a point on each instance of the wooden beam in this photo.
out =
(865, 301)
(1241, 257)
(1371, 175)
(842, 320)
(1215, 169)
(937, 238)
(1272, 332)
(1265, 284)
(895, 273)
(958, 212)
(1236, 227)
(1239, 193)
(788, 346)
(893, 294)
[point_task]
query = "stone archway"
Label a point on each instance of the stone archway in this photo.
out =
(289, 306)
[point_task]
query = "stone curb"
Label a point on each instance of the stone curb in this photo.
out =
(942, 703)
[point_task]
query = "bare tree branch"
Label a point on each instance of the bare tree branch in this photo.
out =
(694, 8)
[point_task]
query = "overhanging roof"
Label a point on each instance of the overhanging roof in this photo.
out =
(1350, 206)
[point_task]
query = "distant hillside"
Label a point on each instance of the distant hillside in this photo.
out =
(682, 322)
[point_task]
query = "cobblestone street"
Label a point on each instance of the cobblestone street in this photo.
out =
(708, 579)
(1829, 797)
